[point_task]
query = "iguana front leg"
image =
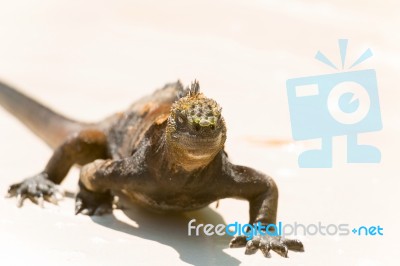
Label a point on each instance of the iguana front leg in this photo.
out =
(262, 193)
(81, 148)
(100, 177)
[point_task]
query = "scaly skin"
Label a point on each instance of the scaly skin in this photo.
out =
(165, 152)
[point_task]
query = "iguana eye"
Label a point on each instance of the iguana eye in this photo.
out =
(180, 118)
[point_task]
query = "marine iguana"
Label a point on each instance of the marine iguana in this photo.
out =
(165, 152)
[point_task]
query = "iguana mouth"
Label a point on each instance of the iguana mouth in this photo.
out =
(193, 142)
(196, 140)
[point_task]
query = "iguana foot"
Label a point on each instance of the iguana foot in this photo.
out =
(93, 203)
(266, 243)
(37, 188)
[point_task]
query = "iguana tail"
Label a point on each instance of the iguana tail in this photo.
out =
(51, 127)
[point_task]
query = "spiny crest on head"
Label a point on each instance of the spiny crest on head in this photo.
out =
(194, 89)
(197, 108)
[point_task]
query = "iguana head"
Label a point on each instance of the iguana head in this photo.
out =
(195, 131)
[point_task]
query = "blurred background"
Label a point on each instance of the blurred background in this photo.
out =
(88, 59)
